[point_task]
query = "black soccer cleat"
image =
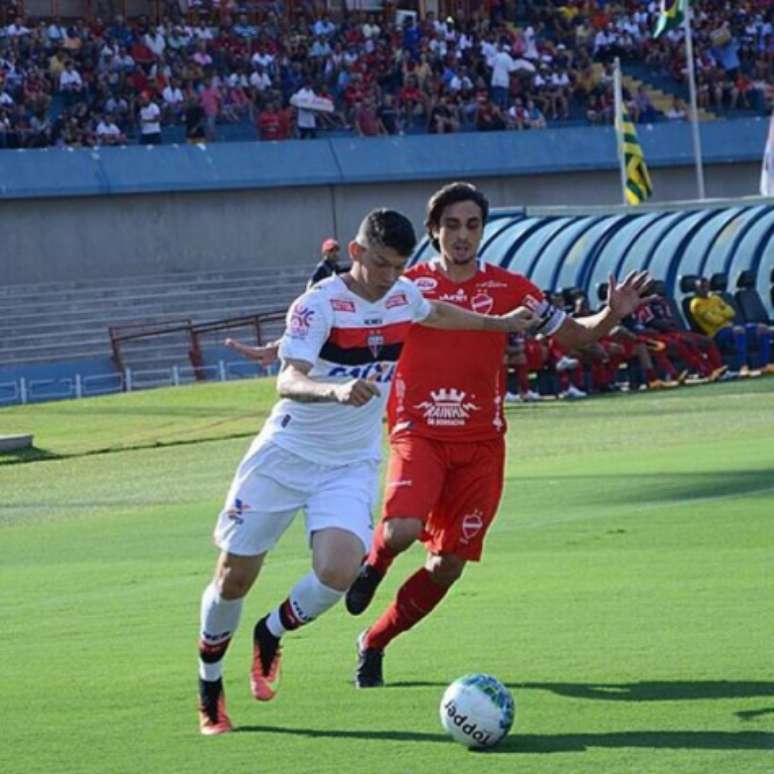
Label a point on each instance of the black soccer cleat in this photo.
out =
(369, 665)
(362, 591)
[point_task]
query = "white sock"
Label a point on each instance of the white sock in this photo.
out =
(219, 621)
(306, 601)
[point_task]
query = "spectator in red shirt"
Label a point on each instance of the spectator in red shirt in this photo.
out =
(367, 121)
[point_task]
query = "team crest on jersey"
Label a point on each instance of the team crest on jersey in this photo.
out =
(482, 302)
(300, 321)
(447, 408)
(399, 299)
(426, 283)
(375, 342)
(342, 305)
(472, 524)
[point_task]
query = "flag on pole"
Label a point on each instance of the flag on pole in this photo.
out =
(638, 185)
(671, 14)
(767, 173)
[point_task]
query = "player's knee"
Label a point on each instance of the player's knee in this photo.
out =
(337, 575)
(445, 570)
(233, 584)
(399, 534)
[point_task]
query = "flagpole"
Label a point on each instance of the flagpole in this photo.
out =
(619, 132)
(697, 154)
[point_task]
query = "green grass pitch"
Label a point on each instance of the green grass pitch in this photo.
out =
(626, 597)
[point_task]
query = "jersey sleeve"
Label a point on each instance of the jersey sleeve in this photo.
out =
(419, 306)
(307, 327)
(529, 295)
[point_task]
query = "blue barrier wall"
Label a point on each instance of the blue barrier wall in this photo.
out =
(341, 161)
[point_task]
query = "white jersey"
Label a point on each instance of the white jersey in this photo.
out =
(344, 337)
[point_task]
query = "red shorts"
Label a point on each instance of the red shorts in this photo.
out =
(454, 488)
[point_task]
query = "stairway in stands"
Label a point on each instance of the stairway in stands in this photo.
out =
(65, 321)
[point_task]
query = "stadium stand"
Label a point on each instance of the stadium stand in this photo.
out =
(223, 74)
(47, 323)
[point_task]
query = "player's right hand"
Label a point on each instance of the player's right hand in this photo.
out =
(356, 392)
(521, 319)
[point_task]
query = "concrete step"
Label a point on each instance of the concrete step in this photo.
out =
(205, 311)
(149, 280)
(133, 291)
(195, 300)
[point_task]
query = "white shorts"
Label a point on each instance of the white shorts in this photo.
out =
(271, 485)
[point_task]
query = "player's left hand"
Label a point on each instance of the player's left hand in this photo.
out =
(520, 319)
(632, 293)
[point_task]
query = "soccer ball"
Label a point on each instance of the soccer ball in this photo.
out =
(477, 710)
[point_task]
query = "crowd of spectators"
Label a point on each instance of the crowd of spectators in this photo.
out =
(519, 65)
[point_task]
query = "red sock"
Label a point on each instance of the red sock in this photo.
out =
(650, 375)
(417, 597)
(381, 555)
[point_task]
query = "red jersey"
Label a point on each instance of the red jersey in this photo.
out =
(449, 385)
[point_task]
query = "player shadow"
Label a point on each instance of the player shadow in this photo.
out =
(552, 743)
(662, 740)
(369, 735)
(657, 690)
(645, 690)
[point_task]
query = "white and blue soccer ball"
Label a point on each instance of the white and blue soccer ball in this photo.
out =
(477, 710)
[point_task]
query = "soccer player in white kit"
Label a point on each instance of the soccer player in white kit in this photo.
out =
(319, 450)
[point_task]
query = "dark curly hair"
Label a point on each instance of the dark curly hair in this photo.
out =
(451, 194)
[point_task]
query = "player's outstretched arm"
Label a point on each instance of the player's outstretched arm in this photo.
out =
(265, 355)
(622, 300)
(295, 383)
(454, 318)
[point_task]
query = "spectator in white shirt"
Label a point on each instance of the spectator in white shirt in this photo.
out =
(173, 100)
(259, 79)
(502, 67)
(108, 132)
(306, 120)
(150, 121)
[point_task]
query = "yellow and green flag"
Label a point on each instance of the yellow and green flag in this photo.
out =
(638, 185)
(671, 15)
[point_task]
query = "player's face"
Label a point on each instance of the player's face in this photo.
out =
(459, 232)
(376, 267)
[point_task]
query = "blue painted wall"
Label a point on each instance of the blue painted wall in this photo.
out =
(233, 166)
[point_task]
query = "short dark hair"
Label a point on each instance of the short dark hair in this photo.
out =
(388, 228)
(451, 194)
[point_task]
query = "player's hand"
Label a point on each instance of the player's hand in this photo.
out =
(520, 319)
(356, 392)
(632, 293)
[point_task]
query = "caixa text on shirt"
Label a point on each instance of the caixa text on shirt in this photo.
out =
(376, 372)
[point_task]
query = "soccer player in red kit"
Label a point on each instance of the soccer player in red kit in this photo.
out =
(445, 473)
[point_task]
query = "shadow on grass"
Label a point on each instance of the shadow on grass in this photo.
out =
(553, 743)
(646, 690)
(31, 454)
(659, 487)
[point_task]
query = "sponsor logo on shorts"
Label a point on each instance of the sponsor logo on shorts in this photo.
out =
(447, 407)
(399, 299)
(342, 305)
(472, 524)
(300, 322)
(236, 512)
(482, 302)
(426, 283)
